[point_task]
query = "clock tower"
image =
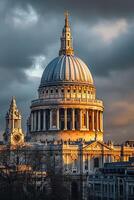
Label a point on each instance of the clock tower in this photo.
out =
(13, 135)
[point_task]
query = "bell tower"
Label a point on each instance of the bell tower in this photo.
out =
(13, 134)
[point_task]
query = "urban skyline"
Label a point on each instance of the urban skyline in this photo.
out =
(66, 121)
(103, 39)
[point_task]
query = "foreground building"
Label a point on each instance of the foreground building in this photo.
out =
(67, 121)
(115, 181)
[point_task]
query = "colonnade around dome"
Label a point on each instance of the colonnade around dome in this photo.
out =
(66, 119)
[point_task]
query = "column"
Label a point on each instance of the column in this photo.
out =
(66, 161)
(87, 118)
(32, 121)
(35, 120)
(65, 118)
(101, 121)
(73, 119)
(80, 119)
(97, 122)
(89, 164)
(44, 120)
(58, 118)
(39, 120)
(50, 119)
(93, 120)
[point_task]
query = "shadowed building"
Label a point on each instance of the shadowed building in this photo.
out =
(114, 181)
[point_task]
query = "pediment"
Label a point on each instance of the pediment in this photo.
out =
(97, 145)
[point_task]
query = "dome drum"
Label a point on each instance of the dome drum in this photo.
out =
(80, 93)
(67, 119)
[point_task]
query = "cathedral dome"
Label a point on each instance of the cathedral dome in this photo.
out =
(66, 108)
(66, 69)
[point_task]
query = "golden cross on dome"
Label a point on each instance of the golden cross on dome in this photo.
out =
(66, 18)
(66, 13)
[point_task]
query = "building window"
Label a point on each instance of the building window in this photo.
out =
(90, 122)
(83, 119)
(97, 187)
(51, 91)
(96, 162)
(86, 164)
(105, 188)
(56, 90)
(54, 117)
(68, 90)
(62, 90)
(121, 189)
(46, 91)
(16, 123)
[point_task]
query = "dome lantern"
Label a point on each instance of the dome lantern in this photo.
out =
(66, 39)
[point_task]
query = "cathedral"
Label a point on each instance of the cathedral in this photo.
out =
(68, 117)
(66, 108)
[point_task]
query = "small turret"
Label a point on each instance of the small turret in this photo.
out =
(13, 134)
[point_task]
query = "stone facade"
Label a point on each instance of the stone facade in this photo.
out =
(114, 181)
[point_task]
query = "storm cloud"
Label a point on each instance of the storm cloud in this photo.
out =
(102, 36)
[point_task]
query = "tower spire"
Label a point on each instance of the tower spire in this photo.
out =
(13, 133)
(66, 19)
(13, 103)
(66, 38)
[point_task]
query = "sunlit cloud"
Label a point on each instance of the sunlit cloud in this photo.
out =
(36, 69)
(116, 90)
(110, 30)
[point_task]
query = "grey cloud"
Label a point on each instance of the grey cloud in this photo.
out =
(117, 94)
(82, 9)
(108, 63)
(103, 58)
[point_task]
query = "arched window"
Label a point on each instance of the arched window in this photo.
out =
(54, 117)
(96, 162)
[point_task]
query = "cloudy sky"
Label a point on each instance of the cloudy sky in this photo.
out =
(103, 36)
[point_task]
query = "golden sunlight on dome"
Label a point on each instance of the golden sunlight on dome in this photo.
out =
(67, 107)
